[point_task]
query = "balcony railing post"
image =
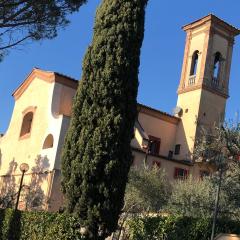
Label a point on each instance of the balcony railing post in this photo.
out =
(191, 80)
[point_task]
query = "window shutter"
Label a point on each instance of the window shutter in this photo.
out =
(176, 173)
(158, 143)
(170, 154)
(177, 149)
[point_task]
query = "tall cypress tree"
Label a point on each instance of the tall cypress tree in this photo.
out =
(97, 154)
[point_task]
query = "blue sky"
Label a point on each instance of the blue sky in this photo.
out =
(161, 56)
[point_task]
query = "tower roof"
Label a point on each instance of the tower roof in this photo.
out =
(214, 19)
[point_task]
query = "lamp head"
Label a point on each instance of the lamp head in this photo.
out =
(24, 167)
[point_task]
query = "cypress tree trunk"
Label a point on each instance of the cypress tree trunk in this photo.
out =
(97, 154)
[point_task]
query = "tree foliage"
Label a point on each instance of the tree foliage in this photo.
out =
(22, 20)
(147, 190)
(231, 188)
(192, 197)
(34, 225)
(97, 155)
(218, 145)
(219, 148)
(178, 227)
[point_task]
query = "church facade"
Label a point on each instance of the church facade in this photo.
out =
(42, 113)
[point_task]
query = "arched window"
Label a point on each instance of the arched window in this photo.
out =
(194, 63)
(48, 143)
(26, 124)
(216, 68)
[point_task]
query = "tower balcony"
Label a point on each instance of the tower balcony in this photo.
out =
(215, 82)
(191, 80)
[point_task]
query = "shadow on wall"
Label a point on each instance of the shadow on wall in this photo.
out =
(8, 189)
(32, 194)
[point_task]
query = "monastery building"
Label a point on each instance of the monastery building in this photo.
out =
(42, 113)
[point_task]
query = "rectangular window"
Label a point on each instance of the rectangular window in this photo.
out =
(177, 149)
(181, 173)
(154, 145)
(170, 154)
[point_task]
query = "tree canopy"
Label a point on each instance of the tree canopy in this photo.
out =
(219, 148)
(23, 20)
(147, 190)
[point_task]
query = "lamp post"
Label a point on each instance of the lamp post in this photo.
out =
(24, 167)
(221, 169)
(148, 150)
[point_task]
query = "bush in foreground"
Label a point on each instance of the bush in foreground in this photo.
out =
(37, 226)
(147, 190)
(175, 228)
(54, 226)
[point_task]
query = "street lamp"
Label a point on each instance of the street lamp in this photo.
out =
(221, 164)
(148, 151)
(24, 167)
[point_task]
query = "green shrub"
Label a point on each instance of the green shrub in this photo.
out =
(38, 226)
(175, 228)
(147, 190)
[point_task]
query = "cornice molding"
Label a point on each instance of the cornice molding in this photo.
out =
(46, 76)
(215, 21)
(183, 162)
(202, 86)
(158, 114)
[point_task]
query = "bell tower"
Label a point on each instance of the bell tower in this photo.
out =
(203, 88)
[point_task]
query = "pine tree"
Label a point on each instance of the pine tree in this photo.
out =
(23, 21)
(97, 155)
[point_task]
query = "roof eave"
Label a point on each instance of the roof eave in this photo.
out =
(211, 17)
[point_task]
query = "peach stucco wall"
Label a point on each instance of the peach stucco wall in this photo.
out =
(137, 141)
(37, 95)
(15, 150)
(67, 95)
(190, 103)
(212, 109)
(159, 128)
(44, 97)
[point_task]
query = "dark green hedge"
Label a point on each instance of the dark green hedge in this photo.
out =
(54, 226)
(175, 228)
(37, 226)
